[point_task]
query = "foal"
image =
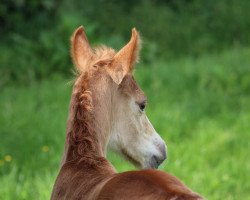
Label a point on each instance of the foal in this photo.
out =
(107, 107)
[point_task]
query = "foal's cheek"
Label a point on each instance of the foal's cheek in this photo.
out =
(145, 127)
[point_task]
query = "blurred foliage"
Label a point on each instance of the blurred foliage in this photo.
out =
(34, 35)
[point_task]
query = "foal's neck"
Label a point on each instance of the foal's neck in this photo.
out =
(88, 123)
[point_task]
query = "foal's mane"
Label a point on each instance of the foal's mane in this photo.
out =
(81, 135)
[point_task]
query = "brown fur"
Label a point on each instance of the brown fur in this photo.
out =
(85, 172)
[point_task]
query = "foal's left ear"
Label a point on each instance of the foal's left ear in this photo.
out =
(124, 60)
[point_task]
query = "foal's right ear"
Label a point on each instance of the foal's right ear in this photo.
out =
(123, 61)
(81, 51)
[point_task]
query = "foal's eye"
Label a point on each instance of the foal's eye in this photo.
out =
(142, 106)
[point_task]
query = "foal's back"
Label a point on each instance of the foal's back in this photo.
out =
(146, 185)
(104, 184)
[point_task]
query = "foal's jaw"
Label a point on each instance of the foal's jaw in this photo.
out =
(138, 143)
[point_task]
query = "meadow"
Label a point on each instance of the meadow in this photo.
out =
(200, 106)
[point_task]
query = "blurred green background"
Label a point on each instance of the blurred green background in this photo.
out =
(195, 70)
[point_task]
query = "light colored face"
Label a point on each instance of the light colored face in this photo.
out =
(132, 134)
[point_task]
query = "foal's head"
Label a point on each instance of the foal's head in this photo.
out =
(117, 100)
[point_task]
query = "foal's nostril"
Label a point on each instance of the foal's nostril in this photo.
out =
(160, 156)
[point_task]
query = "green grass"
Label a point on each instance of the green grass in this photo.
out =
(201, 107)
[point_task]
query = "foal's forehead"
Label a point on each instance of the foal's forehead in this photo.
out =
(130, 87)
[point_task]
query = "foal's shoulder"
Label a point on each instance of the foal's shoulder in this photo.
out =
(171, 185)
(146, 184)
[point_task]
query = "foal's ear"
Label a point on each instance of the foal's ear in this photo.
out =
(81, 51)
(124, 60)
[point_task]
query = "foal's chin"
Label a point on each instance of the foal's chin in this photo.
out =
(153, 163)
(146, 166)
(150, 166)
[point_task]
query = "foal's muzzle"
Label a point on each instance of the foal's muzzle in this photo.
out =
(156, 160)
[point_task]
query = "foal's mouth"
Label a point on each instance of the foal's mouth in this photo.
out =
(130, 158)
